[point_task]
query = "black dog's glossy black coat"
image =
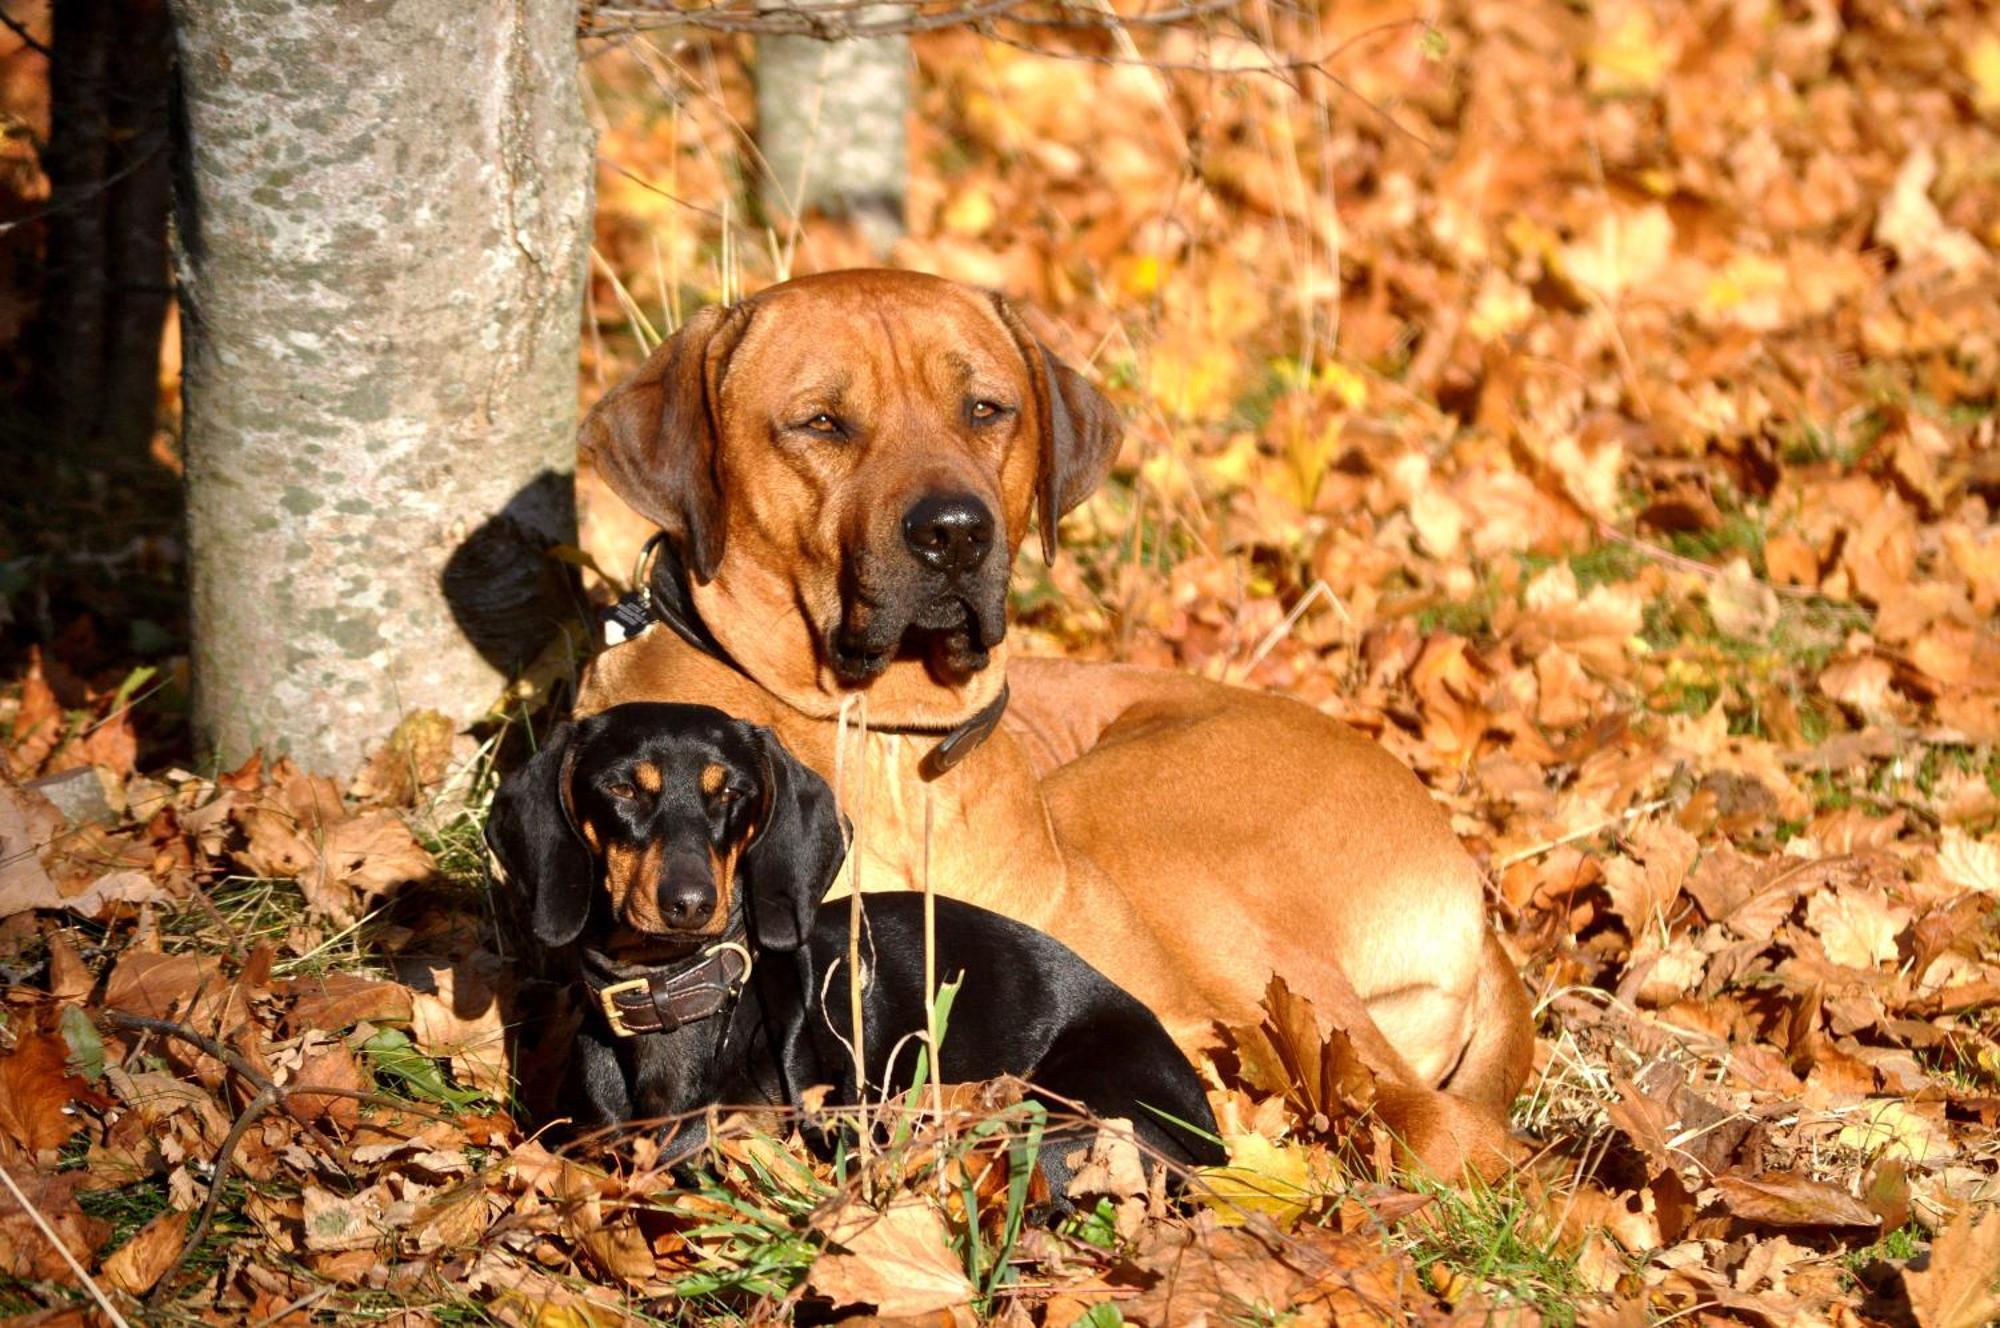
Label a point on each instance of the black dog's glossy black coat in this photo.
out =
(1029, 1006)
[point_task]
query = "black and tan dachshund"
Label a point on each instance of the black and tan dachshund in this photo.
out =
(677, 857)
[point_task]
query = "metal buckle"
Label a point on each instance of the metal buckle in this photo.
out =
(607, 1000)
(749, 960)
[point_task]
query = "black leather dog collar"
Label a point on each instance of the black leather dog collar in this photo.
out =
(661, 1000)
(664, 597)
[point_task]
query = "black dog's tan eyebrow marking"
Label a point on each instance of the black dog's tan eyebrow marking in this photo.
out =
(647, 776)
(712, 777)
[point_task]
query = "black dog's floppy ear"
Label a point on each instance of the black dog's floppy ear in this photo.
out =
(796, 851)
(532, 830)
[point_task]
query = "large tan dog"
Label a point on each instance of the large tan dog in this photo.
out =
(845, 466)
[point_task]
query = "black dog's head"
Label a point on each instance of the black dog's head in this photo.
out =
(647, 817)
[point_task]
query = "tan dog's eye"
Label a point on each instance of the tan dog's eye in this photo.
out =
(824, 423)
(622, 790)
(986, 410)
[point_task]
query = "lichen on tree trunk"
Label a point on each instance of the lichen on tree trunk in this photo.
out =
(830, 125)
(381, 214)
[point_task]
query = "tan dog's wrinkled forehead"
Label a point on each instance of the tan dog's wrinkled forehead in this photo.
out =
(912, 308)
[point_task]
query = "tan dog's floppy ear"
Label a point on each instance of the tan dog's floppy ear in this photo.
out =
(1080, 429)
(653, 437)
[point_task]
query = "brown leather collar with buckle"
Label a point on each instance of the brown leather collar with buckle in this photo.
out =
(663, 597)
(662, 1000)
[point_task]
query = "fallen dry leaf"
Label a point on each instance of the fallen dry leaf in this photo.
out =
(898, 1259)
(36, 1087)
(27, 822)
(1960, 1286)
(25, 1253)
(1643, 891)
(1785, 1200)
(137, 1264)
(416, 757)
(459, 1019)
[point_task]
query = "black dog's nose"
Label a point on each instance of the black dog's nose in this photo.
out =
(687, 905)
(950, 532)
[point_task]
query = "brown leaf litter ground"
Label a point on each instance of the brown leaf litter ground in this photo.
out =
(1594, 404)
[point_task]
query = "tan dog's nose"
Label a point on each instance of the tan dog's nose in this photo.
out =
(951, 533)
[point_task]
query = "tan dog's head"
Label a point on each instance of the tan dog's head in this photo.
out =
(848, 464)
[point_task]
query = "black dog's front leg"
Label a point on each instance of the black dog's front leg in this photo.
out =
(598, 1082)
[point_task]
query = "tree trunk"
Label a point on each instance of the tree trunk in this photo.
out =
(830, 125)
(381, 217)
(104, 300)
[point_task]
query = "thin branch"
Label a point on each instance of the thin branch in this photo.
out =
(840, 20)
(269, 1093)
(266, 1098)
(28, 39)
(166, 1027)
(81, 196)
(236, 1062)
(1668, 558)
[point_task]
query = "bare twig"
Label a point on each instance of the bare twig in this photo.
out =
(28, 39)
(1668, 558)
(1589, 831)
(840, 20)
(269, 1093)
(266, 1098)
(167, 1028)
(229, 1057)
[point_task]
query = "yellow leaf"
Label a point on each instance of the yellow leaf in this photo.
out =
(1892, 1129)
(1263, 1176)
(1501, 307)
(1194, 377)
(1629, 56)
(1982, 66)
(1349, 387)
(1308, 452)
(970, 213)
(1974, 863)
(1139, 275)
(1235, 466)
(1624, 251)
(1858, 927)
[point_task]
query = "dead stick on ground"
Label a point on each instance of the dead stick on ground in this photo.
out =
(235, 1061)
(267, 1097)
(35, 1216)
(269, 1093)
(1668, 558)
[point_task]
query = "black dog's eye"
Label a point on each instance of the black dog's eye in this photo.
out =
(728, 796)
(621, 790)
